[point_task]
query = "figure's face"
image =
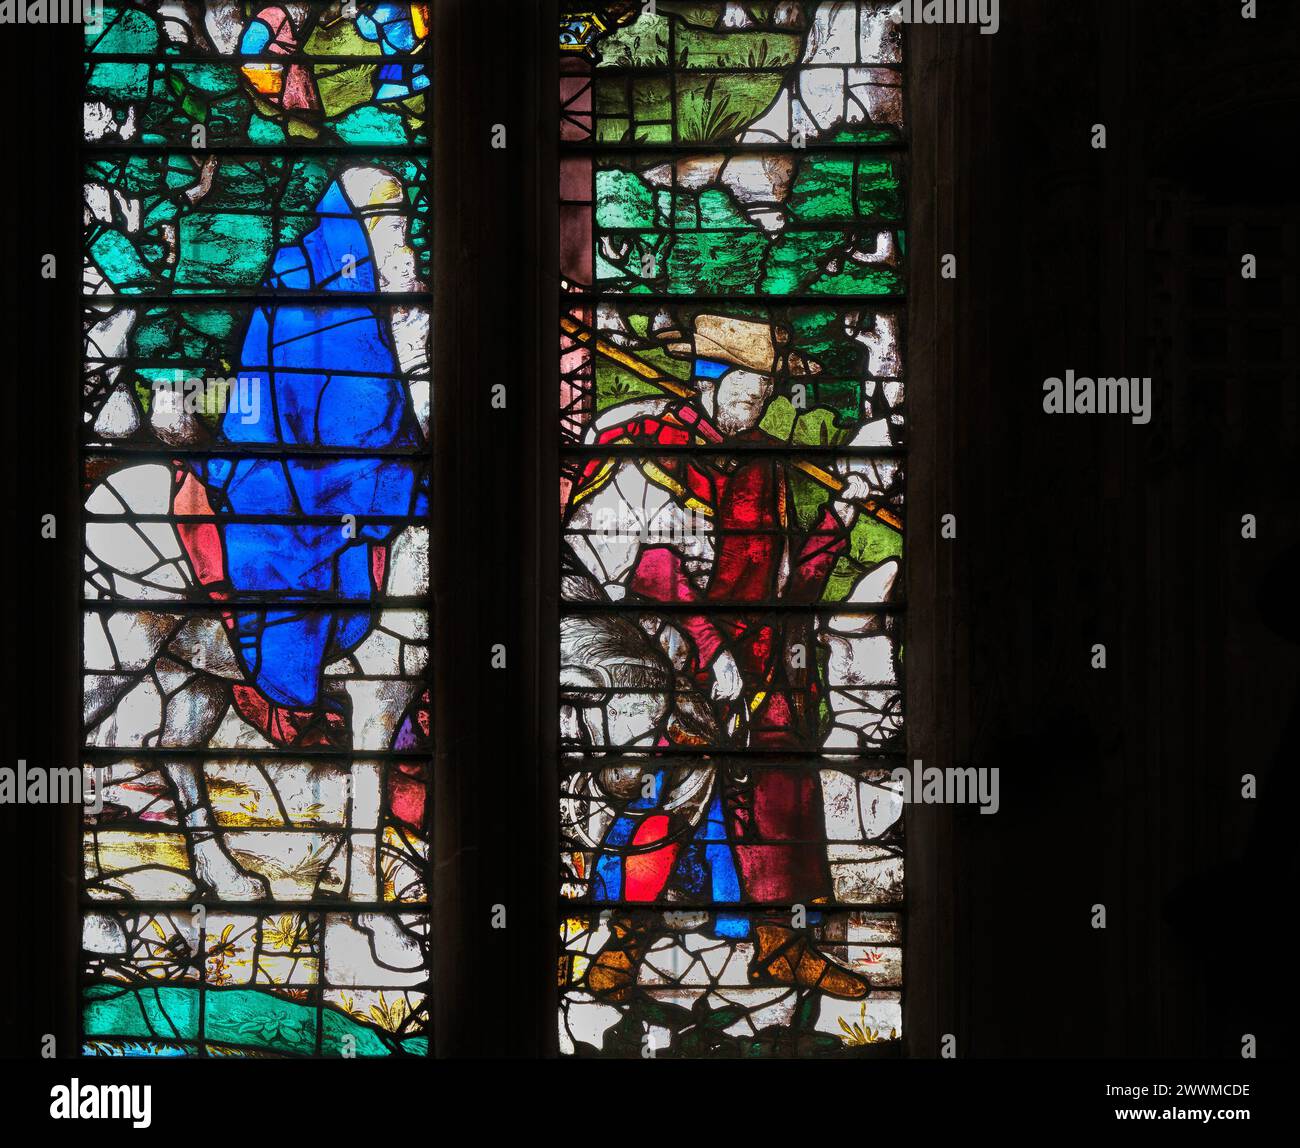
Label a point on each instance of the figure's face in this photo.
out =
(631, 718)
(594, 715)
(740, 399)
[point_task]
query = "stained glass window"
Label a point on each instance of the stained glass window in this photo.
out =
(255, 467)
(732, 431)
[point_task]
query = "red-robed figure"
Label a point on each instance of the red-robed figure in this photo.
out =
(741, 544)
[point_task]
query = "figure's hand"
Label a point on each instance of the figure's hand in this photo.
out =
(727, 682)
(856, 490)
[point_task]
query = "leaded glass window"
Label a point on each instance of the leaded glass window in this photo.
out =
(732, 430)
(255, 467)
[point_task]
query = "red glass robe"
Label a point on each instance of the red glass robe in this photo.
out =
(752, 522)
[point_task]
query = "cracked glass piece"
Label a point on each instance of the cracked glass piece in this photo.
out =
(658, 831)
(245, 983)
(702, 983)
(211, 224)
(837, 372)
(734, 223)
(273, 75)
(781, 73)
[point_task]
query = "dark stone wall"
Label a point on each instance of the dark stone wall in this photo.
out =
(1121, 786)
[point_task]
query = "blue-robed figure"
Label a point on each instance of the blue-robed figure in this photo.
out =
(333, 406)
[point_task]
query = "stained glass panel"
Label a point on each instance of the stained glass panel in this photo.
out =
(241, 73)
(752, 222)
(190, 225)
(732, 426)
(255, 471)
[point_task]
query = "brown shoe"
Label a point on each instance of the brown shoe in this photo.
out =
(612, 974)
(787, 957)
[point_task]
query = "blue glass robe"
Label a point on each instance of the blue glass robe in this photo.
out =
(295, 353)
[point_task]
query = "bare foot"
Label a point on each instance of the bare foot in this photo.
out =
(215, 869)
